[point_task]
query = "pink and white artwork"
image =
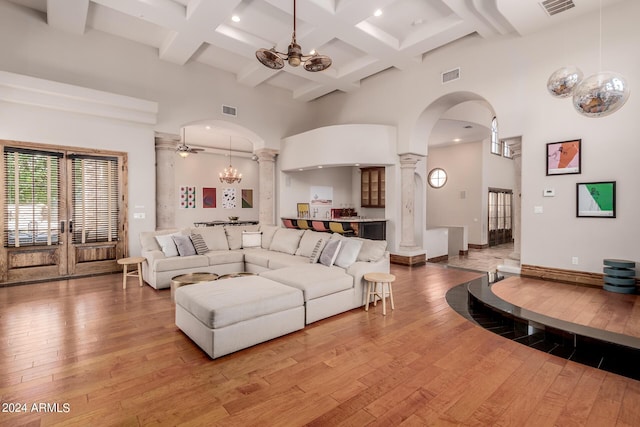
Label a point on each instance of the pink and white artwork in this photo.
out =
(187, 195)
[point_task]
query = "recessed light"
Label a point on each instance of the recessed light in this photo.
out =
(377, 13)
(457, 140)
(207, 127)
(319, 167)
(357, 164)
(300, 169)
(312, 52)
(235, 18)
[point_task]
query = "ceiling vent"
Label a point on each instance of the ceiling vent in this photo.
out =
(229, 111)
(553, 7)
(449, 76)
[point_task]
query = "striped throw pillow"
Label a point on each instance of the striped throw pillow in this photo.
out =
(199, 244)
(317, 250)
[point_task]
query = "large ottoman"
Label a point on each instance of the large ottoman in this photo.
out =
(229, 315)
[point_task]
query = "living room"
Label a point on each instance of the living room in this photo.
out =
(97, 91)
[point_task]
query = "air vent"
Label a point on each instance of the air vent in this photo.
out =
(229, 111)
(553, 7)
(449, 76)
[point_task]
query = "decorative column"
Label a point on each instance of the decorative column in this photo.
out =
(407, 198)
(516, 150)
(165, 180)
(266, 171)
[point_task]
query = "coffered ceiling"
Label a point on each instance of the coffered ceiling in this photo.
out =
(359, 43)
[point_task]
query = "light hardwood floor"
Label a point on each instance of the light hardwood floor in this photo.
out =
(116, 358)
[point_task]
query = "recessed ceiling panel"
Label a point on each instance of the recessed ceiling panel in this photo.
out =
(132, 28)
(404, 17)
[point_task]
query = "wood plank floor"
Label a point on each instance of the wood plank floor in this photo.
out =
(588, 306)
(113, 357)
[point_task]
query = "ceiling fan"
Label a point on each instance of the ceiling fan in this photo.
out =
(183, 149)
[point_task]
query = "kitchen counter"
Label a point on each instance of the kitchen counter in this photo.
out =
(367, 228)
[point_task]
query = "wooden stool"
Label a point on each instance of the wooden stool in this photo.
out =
(126, 262)
(373, 279)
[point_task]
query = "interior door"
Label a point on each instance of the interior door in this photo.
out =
(64, 213)
(500, 216)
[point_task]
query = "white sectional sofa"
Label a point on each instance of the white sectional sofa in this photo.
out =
(279, 254)
(300, 276)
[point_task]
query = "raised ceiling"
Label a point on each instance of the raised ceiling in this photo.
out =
(359, 43)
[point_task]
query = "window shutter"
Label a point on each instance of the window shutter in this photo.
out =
(95, 199)
(32, 180)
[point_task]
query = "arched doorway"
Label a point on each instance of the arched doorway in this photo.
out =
(454, 131)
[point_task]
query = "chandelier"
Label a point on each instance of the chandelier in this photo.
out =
(273, 59)
(230, 175)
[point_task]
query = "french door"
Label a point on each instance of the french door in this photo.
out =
(63, 212)
(500, 216)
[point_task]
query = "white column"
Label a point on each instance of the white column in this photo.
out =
(165, 180)
(266, 170)
(407, 198)
(516, 150)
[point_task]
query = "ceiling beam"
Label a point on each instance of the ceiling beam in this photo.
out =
(68, 15)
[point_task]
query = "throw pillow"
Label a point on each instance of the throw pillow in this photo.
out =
(286, 240)
(251, 239)
(199, 244)
(317, 251)
(330, 252)
(308, 242)
(234, 236)
(214, 237)
(167, 245)
(348, 252)
(372, 250)
(184, 245)
(267, 234)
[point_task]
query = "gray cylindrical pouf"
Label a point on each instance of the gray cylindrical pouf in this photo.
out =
(619, 276)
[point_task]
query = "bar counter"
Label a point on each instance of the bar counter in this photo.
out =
(367, 228)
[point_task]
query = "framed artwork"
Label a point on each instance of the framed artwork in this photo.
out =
(229, 198)
(303, 210)
(187, 196)
(208, 197)
(596, 199)
(564, 157)
(321, 196)
(247, 198)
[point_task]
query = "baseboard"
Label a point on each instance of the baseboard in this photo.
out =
(463, 253)
(439, 258)
(475, 246)
(408, 259)
(560, 275)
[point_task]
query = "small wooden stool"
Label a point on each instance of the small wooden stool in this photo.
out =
(126, 262)
(373, 279)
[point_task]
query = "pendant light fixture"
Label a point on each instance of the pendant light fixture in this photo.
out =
(602, 93)
(273, 59)
(230, 175)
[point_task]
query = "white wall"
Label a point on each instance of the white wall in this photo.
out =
(184, 94)
(202, 171)
(511, 74)
(36, 110)
(447, 206)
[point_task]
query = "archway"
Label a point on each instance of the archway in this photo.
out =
(457, 107)
(215, 139)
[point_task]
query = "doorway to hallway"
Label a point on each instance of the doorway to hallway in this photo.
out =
(500, 216)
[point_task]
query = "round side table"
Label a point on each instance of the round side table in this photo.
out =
(126, 262)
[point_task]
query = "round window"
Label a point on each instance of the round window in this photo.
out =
(437, 178)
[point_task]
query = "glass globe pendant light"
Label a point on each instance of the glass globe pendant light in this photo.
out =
(602, 93)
